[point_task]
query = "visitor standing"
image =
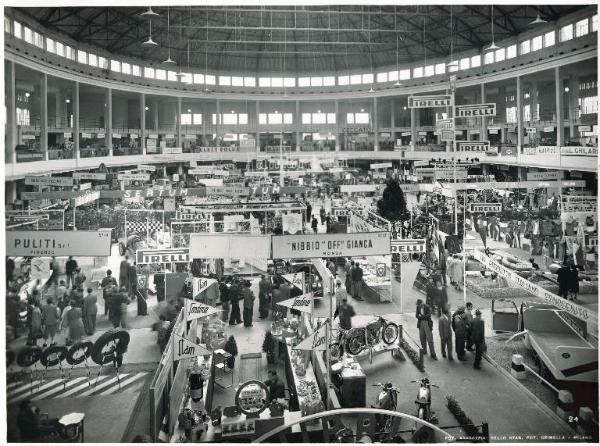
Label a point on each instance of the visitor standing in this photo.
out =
(314, 224)
(322, 214)
(573, 282)
(51, 318)
(107, 283)
(348, 267)
(234, 299)
(90, 310)
(248, 296)
(75, 324)
(468, 320)
(564, 281)
(124, 273)
(70, 269)
(224, 298)
(264, 291)
(425, 326)
(308, 211)
(79, 279)
(445, 329)
(357, 277)
(460, 332)
(345, 314)
(478, 337)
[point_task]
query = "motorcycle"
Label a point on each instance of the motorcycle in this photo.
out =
(423, 401)
(387, 399)
(355, 340)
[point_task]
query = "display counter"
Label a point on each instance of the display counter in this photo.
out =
(303, 382)
(376, 277)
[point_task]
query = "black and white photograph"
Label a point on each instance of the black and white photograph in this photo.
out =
(300, 222)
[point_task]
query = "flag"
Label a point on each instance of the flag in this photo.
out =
(296, 279)
(301, 303)
(196, 310)
(315, 341)
(183, 349)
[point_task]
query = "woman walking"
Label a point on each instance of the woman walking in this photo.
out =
(75, 324)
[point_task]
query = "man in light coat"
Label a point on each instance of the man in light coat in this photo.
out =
(90, 310)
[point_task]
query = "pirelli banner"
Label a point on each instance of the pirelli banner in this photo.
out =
(472, 146)
(408, 246)
(330, 245)
(475, 110)
(485, 207)
(582, 313)
(431, 101)
(153, 256)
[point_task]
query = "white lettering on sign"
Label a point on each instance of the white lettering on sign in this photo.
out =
(133, 176)
(474, 110)
(381, 165)
(330, 245)
(430, 101)
(48, 181)
(540, 176)
(485, 207)
(88, 176)
(579, 203)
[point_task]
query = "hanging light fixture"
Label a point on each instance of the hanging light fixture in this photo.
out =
(169, 61)
(149, 12)
(398, 83)
(371, 90)
(538, 19)
(453, 64)
(493, 45)
(206, 89)
(150, 42)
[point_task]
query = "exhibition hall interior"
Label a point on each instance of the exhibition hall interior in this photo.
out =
(276, 222)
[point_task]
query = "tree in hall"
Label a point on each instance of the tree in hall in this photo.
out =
(392, 204)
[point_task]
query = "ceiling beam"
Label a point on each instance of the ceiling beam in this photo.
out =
(77, 34)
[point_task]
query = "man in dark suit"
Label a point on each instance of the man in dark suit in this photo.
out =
(478, 338)
(275, 385)
(357, 277)
(425, 325)
(445, 329)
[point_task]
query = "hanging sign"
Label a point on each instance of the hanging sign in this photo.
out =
(256, 174)
(190, 137)
(540, 176)
(146, 167)
(449, 174)
(579, 203)
(301, 303)
(87, 198)
(408, 246)
(530, 130)
(582, 313)
(184, 349)
(133, 177)
(340, 212)
(445, 124)
(352, 188)
(174, 255)
(85, 186)
(447, 135)
(172, 150)
(443, 100)
(116, 135)
(169, 136)
(153, 136)
(404, 134)
(485, 207)
(381, 166)
(196, 310)
(472, 146)
(101, 135)
(296, 279)
(88, 176)
(330, 245)
(540, 150)
(418, 163)
(201, 170)
(86, 135)
(58, 243)
(315, 342)
(585, 128)
(475, 110)
(548, 129)
(579, 151)
(48, 181)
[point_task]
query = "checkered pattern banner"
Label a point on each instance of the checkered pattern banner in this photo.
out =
(143, 226)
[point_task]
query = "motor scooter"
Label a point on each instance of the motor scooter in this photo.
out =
(423, 401)
(387, 399)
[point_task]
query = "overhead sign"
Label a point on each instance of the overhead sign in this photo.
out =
(445, 124)
(48, 181)
(316, 341)
(58, 243)
(133, 176)
(579, 151)
(579, 203)
(548, 129)
(303, 303)
(582, 313)
(475, 110)
(381, 166)
(330, 245)
(585, 128)
(227, 190)
(540, 150)
(227, 246)
(485, 207)
(340, 212)
(195, 309)
(87, 198)
(146, 167)
(296, 279)
(262, 173)
(459, 173)
(538, 176)
(472, 146)
(174, 255)
(184, 349)
(447, 135)
(421, 163)
(353, 188)
(88, 176)
(443, 100)
(408, 246)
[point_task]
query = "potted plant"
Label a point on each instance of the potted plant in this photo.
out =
(269, 345)
(231, 348)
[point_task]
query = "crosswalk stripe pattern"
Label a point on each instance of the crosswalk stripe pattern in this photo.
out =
(76, 387)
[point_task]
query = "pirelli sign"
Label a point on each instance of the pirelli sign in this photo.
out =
(475, 110)
(485, 207)
(153, 256)
(472, 146)
(442, 100)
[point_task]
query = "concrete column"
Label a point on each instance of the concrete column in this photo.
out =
(178, 121)
(44, 113)
(155, 114)
(413, 129)
(217, 122)
(143, 122)
(393, 120)
(298, 121)
(257, 120)
(560, 138)
(484, 134)
(519, 115)
(11, 113)
(338, 145)
(376, 124)
(502, 135)
(76, 129)
(205, 118)
(108, 121)
(572, 98)
(534, 102)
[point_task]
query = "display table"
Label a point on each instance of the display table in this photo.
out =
(307, 398)
(376, 277)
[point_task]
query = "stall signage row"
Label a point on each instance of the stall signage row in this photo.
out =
(579, 203)
(58, 243)
(539, 176)
(146, 167)
(445, 124)
(174, 255)
(381, 166)
(485, 207)
(447, 135)
(540, 150)
(408, 246)
(155, 193)
(330, 245)
(459, 173)
(420, 163)
(227, 190)
(261, 173)
(513, 278)
(475, 110)
(472, 146)
(172, 150)
(48, 181)
(201, 170)
(133, 176)
(88, 176)
(579, 151)
(30, 156)
(515, 185)
(350, 188)
(444, 100)
(217, 149)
